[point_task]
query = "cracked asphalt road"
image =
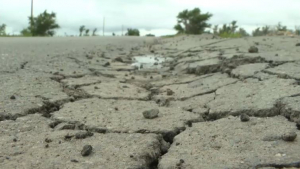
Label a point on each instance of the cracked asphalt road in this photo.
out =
(58, 95)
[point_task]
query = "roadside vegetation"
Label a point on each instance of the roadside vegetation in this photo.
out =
(2, 30)
(150, 35)
(132, 32)
(279, 29)
(86, 31)
(230, 31)
(188, 22)
(192, 22)
(42, 25)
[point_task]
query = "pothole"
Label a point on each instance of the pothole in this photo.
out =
(150, 61)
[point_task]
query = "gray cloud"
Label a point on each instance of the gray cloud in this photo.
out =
(150, 16)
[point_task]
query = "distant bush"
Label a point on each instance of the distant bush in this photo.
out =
(265, 30)
(150, 35)
(2, 30)
(297, 30)
(172, 36)
(230, 31)
(87, 32)
(81, 30)
(94, 32)
(280, 27)
(43, 25)
(230, 35)
(132, 32)
(26, 32)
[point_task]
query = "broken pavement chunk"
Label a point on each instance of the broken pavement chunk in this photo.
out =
(151, 114)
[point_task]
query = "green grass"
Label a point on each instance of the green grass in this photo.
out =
(11, 36)
(172, 36)
(230, 35)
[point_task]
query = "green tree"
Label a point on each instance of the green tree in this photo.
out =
(280, 27)
(81, 30)
(230, 31)
(243, 32)
(233, 26)
(94, 32)
(297, 30)
(26, 32)
(87, 32)
(192, 22)
(257, 32)
(43, 25)
(132, 32)
(2, 30)
(216, 30)
(225, 29)
(265, 30)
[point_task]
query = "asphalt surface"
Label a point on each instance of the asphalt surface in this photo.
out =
(87, 102)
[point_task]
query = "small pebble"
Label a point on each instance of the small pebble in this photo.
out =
(68, 137)
(87, 150)
(96, 87)
(170, 92)
(151, 114)
(47, 140)
(298, 44)
(181, 161)
(83, 135)
(148, 86)
(253, 49)
(53, 124)
(298, 125)
(118, 59)
(74, 161)
(12, 97)
(106, 64)
(245, 118)
(290, 136)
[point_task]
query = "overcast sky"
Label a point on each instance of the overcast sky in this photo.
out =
(150, 16)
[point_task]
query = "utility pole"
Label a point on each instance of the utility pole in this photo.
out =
(31, 8)
(103, 25)
(31, 18)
